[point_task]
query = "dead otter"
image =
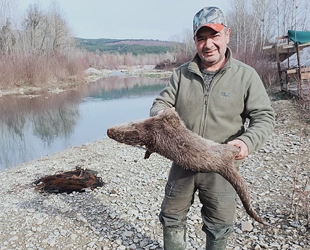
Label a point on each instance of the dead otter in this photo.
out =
(167, 135)
(67, 182)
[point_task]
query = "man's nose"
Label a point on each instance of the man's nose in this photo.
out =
(208, 42)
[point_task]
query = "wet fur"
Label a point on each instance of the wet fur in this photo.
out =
(67, 182)
(167, 135)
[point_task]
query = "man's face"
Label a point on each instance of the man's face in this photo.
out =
(211, 47)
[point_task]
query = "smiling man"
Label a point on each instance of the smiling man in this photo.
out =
(213, 94)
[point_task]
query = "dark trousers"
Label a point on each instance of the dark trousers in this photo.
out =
(219, 204)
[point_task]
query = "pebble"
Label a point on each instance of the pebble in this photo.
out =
(247, 226)
(123, 214)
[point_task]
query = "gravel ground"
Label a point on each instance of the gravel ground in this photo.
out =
(123, 213)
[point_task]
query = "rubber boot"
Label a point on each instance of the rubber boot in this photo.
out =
(215, 244)
(174, 238)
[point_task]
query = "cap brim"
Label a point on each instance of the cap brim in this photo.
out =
(215, 26)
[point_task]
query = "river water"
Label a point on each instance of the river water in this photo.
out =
(31, 128)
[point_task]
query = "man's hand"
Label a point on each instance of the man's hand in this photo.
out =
(243, 148)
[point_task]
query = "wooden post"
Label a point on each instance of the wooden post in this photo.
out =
(299, 71)
(279, 66)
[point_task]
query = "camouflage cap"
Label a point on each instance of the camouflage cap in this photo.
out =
(211, 17)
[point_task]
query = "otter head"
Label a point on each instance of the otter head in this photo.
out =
(144, 132)
(133, 133)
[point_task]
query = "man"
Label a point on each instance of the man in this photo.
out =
(214, 94)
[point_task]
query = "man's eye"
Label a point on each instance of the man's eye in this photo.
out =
(216, 36)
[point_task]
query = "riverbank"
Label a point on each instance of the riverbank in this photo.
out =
(123, 213)
(91, 75)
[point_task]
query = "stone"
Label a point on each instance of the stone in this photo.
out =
(247, 226)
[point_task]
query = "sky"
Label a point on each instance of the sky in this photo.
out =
(163, 20)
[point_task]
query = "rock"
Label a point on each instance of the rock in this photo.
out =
(92, 71)
(247, 226)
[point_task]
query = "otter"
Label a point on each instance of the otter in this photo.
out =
(167, 135)
(67, 182)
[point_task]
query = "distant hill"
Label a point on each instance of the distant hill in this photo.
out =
(136, 47)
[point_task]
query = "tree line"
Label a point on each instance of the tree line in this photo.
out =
(126, 46)
(41, 48)
(41, 32)
(256, 23)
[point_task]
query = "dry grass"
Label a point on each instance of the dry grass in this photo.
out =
(43, 70)
(36, 70)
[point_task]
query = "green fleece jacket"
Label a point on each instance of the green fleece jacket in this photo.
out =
(236, 93)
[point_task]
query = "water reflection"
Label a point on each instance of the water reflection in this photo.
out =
(35, 127)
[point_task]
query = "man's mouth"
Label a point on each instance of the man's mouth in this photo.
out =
(209, 52)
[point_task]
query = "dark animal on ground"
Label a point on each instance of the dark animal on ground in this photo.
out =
(167, 135)
(67, 182)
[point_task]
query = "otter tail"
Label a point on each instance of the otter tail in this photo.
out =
(236, 180)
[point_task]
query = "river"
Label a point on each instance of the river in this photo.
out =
(35, 127)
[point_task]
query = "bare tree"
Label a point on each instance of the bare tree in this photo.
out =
(6, 13)
(290, 14)
(35, 28)
(263, 19)
(189, 48)
(60, 34)
(47, 33)
(7, 39)
(237, 20)
(253, 22)
(303, 14)
(184, 47)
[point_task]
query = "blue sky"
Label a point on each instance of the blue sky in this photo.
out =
(129, 19)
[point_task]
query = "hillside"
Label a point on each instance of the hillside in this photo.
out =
(136, 47)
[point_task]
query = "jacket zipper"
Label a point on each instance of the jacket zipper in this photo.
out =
(206, 95)
(205, 109)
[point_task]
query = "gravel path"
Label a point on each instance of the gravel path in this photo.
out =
(123, 213)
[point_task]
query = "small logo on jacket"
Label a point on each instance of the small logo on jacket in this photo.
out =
(224, 94)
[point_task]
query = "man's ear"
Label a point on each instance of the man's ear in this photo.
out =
(228, 31)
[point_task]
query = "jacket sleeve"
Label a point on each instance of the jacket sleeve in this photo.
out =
(259, 112)
(167, 96)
